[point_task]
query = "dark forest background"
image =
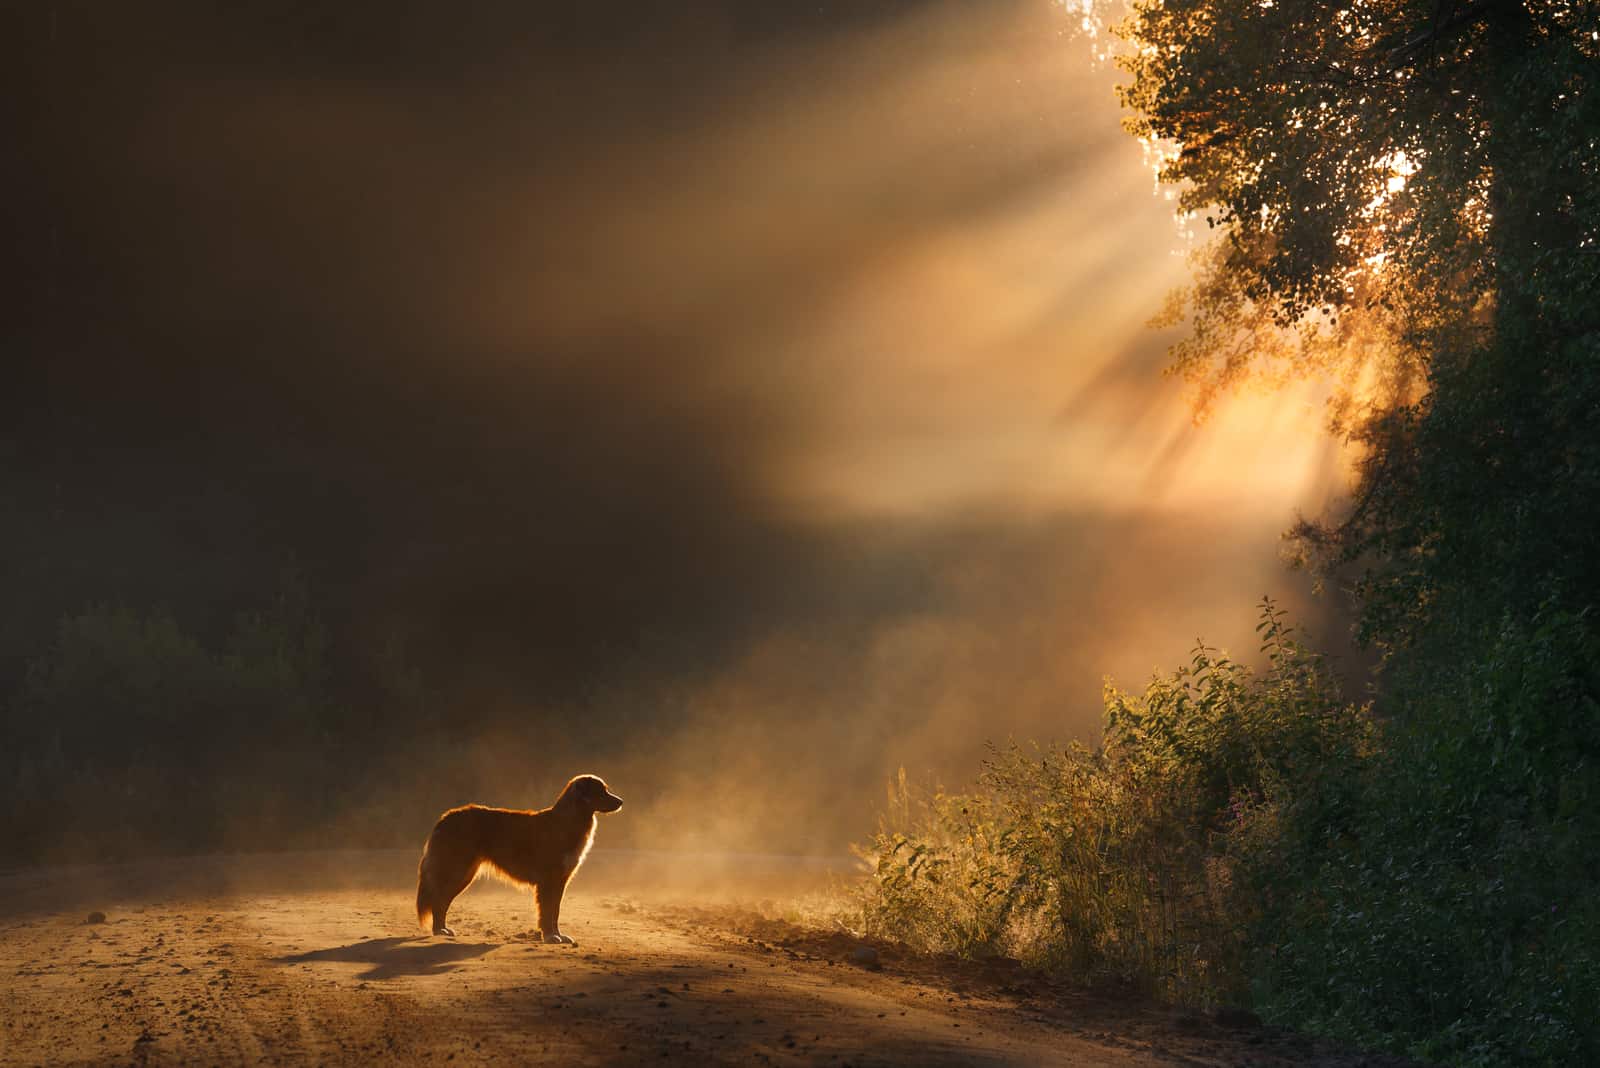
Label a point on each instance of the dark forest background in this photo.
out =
(267, 521)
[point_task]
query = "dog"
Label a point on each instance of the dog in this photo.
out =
(538, 849)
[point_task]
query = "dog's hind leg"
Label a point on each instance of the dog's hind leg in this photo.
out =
(442, 885)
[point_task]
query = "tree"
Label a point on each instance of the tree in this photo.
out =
(1409, 198)
(1408, 193)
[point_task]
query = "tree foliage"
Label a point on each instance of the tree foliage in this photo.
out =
(1370, 148)
(1408, 199)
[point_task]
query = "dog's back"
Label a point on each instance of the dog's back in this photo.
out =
(465, 840)
(508, 839)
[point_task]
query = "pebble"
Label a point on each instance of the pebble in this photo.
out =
(866, 957)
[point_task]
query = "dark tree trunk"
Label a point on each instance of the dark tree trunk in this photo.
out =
(1514, 200)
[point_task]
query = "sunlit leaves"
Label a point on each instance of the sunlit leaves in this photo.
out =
(1290, 122)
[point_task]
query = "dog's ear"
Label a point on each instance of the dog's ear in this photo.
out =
(571, 794)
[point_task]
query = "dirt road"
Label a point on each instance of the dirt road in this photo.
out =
(316, 959)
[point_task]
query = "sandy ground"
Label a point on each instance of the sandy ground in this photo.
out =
(317, 959)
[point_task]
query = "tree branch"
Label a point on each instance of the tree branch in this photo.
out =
(1443, 29)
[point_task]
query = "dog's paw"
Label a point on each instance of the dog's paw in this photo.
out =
(559, 939)
(444, 931)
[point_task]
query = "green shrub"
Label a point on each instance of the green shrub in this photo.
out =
(1118, 863)
(1424, 884)
(943, 877)
(1450, 911)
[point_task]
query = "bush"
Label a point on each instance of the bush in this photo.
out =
(1118, 863)
(1424, 884)
(1450, 913)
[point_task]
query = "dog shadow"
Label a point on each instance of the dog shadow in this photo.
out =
(393, 957)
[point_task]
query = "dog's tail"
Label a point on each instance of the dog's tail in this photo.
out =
(424, 898)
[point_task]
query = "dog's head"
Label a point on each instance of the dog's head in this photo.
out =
(589, 793)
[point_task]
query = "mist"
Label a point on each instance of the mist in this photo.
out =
(740, 405)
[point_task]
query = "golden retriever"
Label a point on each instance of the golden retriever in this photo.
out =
(539, 849)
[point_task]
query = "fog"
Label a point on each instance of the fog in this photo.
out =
(738, 405)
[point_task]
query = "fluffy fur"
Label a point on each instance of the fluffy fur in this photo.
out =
(538, 849)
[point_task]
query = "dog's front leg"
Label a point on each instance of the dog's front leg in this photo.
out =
(548, 896)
